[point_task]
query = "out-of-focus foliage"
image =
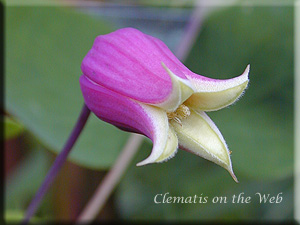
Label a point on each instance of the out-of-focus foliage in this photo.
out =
(187, 176)
(12, 128)
(44, 50)
(15, 216)
(168, 3)
(258, 128)
(24, 181)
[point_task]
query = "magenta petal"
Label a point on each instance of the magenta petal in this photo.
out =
(129, 115)
(129, 62)
(114, 108)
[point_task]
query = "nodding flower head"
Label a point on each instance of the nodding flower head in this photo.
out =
(133, 81)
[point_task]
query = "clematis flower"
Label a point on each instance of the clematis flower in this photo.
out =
(133, 81)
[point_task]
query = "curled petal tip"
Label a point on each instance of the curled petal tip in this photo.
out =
(159, 130)
(247, 70)
(212, 94)
(228, 167)
(142, 163)
(169, 149)
(244, 76)
(233, 175)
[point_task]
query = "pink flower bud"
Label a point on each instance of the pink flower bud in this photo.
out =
(133, 81)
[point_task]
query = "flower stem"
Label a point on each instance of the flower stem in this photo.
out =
(111, 179)
(58, 163)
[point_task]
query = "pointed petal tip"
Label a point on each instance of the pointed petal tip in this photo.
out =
(143, 163)
(233, 175)
(248, 67)
(230, 170)
(244, 77)
(247, 70)
(169, 150)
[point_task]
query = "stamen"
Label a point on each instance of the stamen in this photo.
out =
(181, 113)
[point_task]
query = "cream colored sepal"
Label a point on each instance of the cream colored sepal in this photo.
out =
(211, 95)
(171, 147)
(199, 135)
(159, 132)
(182, 89)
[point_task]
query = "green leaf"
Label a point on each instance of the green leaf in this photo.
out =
(44, 50)
(12, 128)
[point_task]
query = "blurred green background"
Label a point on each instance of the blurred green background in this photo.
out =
(44, 47)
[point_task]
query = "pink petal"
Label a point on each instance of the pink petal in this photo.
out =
(129, 62)
(127, 114)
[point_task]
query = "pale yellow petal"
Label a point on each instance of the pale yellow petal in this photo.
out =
(198, 134)
(171, 147)
(211, 95)
(182, 89)
(159, 130)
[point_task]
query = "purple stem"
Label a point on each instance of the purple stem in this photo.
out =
(58, 163)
